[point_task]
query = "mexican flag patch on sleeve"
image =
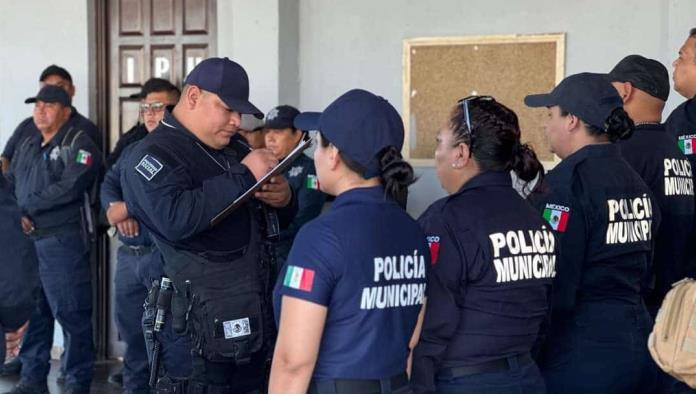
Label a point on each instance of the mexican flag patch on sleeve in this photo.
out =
(83, 157)
(312, 182)
(299, 278)
(557, 216)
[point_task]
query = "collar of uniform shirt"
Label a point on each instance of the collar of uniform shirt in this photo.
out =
(487, 178)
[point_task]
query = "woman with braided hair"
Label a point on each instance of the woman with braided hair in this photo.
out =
(493, 260)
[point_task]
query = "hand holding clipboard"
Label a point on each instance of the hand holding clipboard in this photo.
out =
(277, 170)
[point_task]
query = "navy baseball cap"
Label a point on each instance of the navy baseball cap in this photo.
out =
(228, 80)
(645, 74)
(588, 96)
(51, 94)
(360, 124)
(281, 117)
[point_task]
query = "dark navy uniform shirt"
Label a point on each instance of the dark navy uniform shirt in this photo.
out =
(112, 190)
(136, 133)
(302, 177)
(27, 128)
(605, 218)
(177, 185)
(364, 260)
(489, 284)
(655, 155)
(50, 180)
(682, 124)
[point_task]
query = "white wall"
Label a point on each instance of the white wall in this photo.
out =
(33, 35)
(358, 43)
(248, 34)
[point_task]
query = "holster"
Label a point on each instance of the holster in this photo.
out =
(226, 304)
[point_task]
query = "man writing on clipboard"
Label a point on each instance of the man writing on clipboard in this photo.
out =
(180, 177)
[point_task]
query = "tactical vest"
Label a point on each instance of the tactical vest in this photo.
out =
(226, 302)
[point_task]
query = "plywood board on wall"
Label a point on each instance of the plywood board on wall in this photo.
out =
(439, 71)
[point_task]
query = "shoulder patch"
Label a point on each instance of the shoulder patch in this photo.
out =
(149, 167)
(557, 216)
(686, 144)
(312, 182)
(299, 278)
(83, 157)
(434, 245)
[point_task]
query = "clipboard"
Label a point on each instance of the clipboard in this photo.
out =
(277, 170)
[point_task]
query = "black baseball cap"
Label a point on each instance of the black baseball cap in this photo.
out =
(55, 70)
(51, 94)
(645, 74)
(281, 117)
(588, 96)
(154, 85)
(228, 80)
(360, 124)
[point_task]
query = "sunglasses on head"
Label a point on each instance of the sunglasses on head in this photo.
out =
(465, 106)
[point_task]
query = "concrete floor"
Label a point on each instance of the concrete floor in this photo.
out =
(102, 369)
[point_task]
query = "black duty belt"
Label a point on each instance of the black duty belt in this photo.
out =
(503, 364)
(138, 250)
(357, 386)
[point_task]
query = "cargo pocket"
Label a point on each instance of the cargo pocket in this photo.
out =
(231, 326)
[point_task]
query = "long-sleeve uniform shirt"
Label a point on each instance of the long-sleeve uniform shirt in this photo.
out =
(112, 191)
(176, 185)
(656, 157)
(489, 283)
(604, 218)
(681, 123)
(50, 180)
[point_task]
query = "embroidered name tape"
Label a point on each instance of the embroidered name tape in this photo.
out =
(149, 167)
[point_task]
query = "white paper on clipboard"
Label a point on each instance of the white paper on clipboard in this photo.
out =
(277, 170)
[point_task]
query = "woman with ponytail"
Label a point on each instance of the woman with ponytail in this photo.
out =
(604, 218)
(492, 260)
(348, 297)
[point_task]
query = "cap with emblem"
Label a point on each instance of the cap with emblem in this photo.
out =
(51, 94)
(645, 74)
(360, 124)
(281, 117)
(228, 80)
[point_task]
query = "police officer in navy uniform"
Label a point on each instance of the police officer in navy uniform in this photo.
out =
(179, 178)
(138, 265)
(281, 137)
(604, 218)
(58, 76)
(643, 85)
(493, 260)
(51, 173)
(20, 273)
(349, 294)
(162, 95)
(682, 121)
